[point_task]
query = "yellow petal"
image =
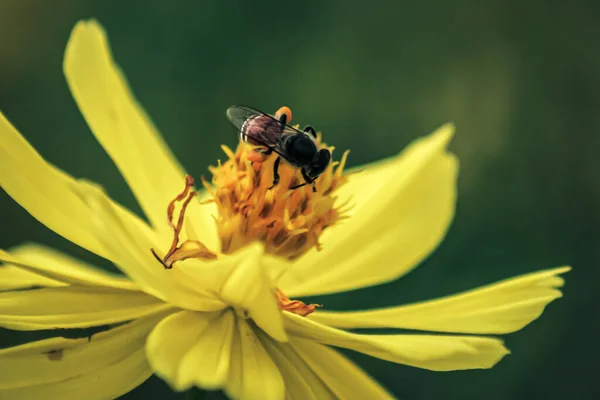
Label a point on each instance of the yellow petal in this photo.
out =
(73, 307)
(437, 353)
(130, 246)
(12, 278)
(104, 366)
(301, 382)
(207, 362)
(125, 131)
(172, 339)
(50, 195)
(401, 211)
(249, 289)
(344, 378)
(503, 307)
(276, 267)
(253, 375)
(58, 267)
(42, 191)
(110, 382)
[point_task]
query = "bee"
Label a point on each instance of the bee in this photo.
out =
(297, 148)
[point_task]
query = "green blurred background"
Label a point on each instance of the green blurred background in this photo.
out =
(521, 80)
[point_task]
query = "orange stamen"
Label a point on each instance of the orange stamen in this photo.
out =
(288, 221)
(187, 194)
(189, 183)
(294, 306)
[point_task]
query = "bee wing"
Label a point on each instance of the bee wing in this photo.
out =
(290, 130)
(240, 114)
(258, 128)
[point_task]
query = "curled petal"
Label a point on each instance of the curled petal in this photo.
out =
(249, 288)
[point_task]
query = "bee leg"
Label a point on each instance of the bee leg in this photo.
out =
(275, 172)
(298, 186)
(310, 130)
(266, 151)
(308, 181)
(283, 119)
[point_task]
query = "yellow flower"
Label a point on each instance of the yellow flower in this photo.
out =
(219, 316)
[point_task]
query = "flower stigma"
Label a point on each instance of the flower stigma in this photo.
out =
(288, 221)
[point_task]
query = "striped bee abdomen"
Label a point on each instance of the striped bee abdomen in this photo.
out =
(260, 130)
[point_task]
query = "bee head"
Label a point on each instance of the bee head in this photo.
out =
(317, 167)
(303, 149)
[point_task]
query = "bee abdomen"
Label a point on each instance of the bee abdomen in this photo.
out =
(259, 130)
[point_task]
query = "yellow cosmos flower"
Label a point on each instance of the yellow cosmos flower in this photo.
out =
(221, 315)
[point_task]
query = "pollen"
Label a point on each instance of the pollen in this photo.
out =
(288, 221)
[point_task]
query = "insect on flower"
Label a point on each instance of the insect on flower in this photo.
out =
(297, 148)
(229, 317)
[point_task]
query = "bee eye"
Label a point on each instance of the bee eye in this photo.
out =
(323, 160)
(304, 150)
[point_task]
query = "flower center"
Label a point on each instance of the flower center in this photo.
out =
(288, 221)
(286, 216)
